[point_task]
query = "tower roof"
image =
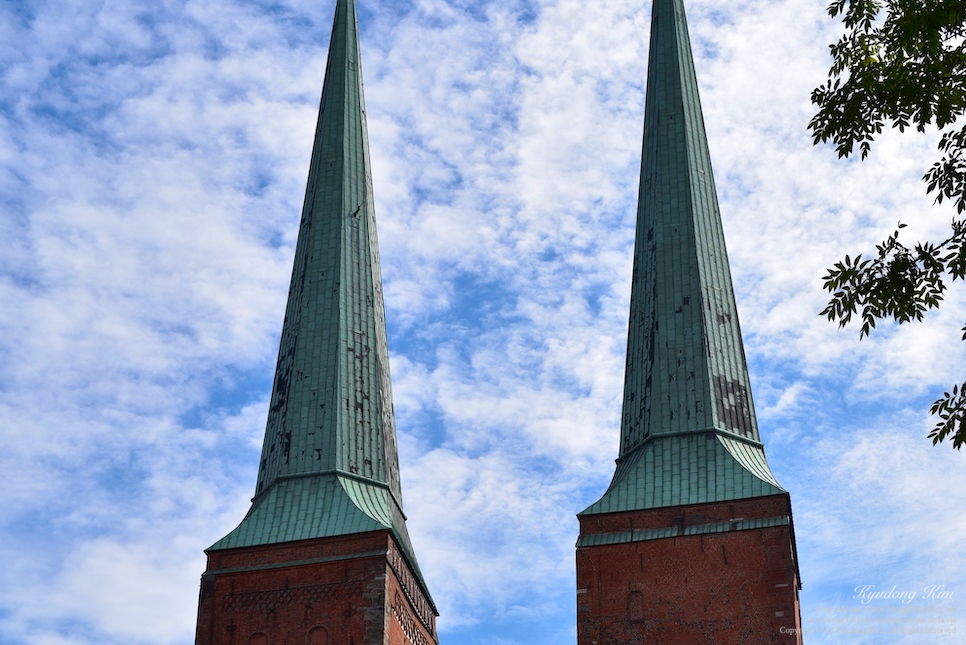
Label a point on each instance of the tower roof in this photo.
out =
(688, 427)
(329, 464)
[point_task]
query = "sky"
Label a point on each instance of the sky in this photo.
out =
(153, 156)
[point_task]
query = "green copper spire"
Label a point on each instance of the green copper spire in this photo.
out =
(688, 429)
(329, 464)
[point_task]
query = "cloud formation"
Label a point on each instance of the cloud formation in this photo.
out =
(152, 164)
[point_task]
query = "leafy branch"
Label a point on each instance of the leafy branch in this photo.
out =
(900, 63)
(951, 410)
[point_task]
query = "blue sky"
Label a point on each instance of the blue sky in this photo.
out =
(152, 163)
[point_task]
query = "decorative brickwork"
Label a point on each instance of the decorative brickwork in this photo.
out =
(400, 609)
(343, 590)
(271, 600)
(411, 588)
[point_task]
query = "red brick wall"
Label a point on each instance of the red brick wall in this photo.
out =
(332, 591)
(733, 587)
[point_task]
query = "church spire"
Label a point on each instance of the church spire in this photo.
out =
(329, 464)
(692, 542)
(688, 428)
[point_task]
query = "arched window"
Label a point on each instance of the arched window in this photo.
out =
(318, 636)
(258, 638)
(635, 606)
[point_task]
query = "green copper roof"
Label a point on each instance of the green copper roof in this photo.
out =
(688, 429)
(329, 464)
(691, 468)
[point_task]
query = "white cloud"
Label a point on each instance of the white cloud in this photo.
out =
(152, 166)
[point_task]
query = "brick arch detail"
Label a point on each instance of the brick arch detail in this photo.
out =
(318, 635)
(635, 606)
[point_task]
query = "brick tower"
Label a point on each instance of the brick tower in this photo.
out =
(323, 556)
(692, 542)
